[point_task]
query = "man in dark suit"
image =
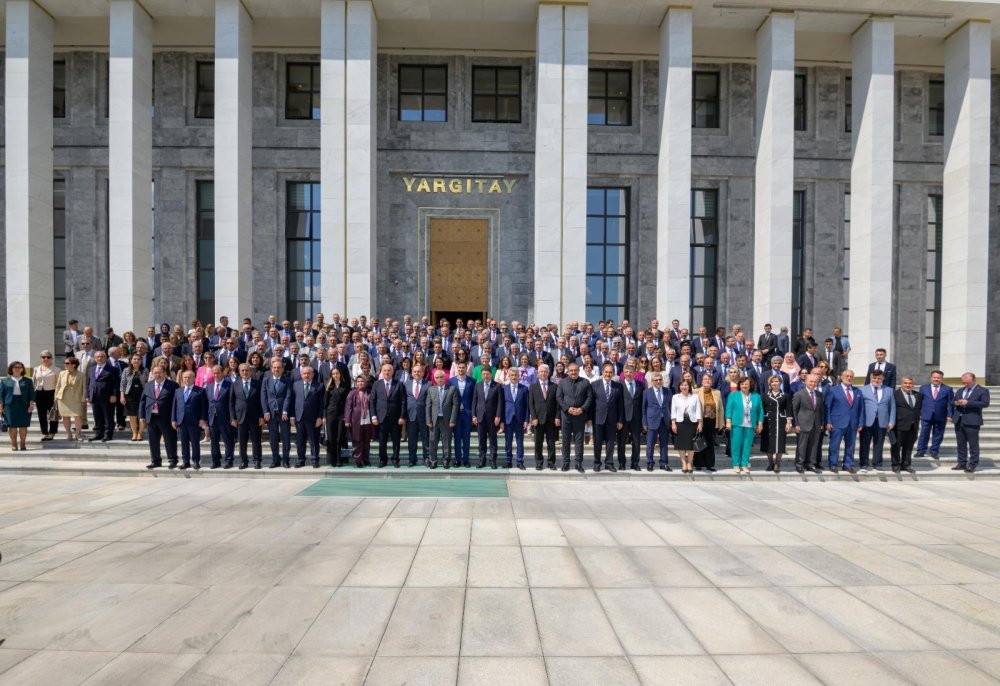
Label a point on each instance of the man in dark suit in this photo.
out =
(935, 412)
(487, 413)
(834, 360)
(219, 394)
(968, 415)
(784, 342)
(190, 417)
(767, 342)
(441, 414)
(230, 348)
(102, 394)
(111, 339)
(607, 417)
(543, 413)
(388, 407)
(803, 342)
(275, 388)
(575, 398)
(416, 412)
(631, 430)
(656, 419)
(887, 368)
(807, 412)
(463, 426)
(515, 418)
(807, 360)
(538, 355)
(156, 407)
(908, 403)
(775, 370)
(304, 407)
(246, 416)
(843, 408)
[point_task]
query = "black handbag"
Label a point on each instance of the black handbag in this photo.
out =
(699, 443)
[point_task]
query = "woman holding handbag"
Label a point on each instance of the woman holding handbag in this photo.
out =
(711, 411)
(17, 402)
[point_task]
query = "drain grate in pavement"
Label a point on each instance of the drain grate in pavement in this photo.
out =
(409, 488)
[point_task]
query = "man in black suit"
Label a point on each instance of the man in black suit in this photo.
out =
(543, 413)
(388, 408)
(538, 355)
(803, 342)
(416, 412)
(887, 368)
(102, 394)
(246, 416)
(275, 388)
(230, 348)
(834, 360)
(775, 370)
(487, 413)
(808, 359)
(767, 342)
(607, 416)
(631, 419)
(304, 406)
(156, 406)
(575, 397)
(968, 417)
(190, 417)
(219, 419)
(908, 406)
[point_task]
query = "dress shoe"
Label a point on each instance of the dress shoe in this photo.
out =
(153, 465)
(300, 465)
(273, 465)
(508, 465)
(597, 467)
(539, 467)
(611, 468)
(921, 454)
(800, 470)
(580, 469)
(817, 470)
(521, 467)
(552, 468)
(172, 465)
(934, 456)
(243, 465)
(105, 439)
(958, 468)
(94, 438)
(970, 470)
(666, 468)
(565, 468)
(184, 466)
(215, 466)
(636, 468)
(895, 470)
(834, 470)
(910, 470)
(649, 468)
(433, 465)
(396, 465)
(197, 466)
(286, 465)
(315, 465)
(852, 470)
(481, 465)
(228, 466)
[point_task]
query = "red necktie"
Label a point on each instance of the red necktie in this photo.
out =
(216, 391)
(850, 397)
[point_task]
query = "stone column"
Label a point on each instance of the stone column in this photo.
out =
(28, 181)
(233, 161)
(130, 166)
(348, 52)
(673, 180)
(561, 164)
(775, 172)
(872, 193)
(964, 284)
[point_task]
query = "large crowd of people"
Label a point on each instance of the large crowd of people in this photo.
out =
(348, 384)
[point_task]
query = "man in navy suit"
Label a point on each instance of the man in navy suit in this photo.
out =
(190, 417)
(656, 420)
(156, 407)
(388, 408)
(843, 408)
(935, 412)
(487, 413)
(877, 417)
(631, 430)
(968, 415)
(515, 417)
(888, 368)
(274, 391)
(102, 394)
(246, 416)
(304, 407)
(219, 417)
(463, 427)
(416, 412)
(607, 417)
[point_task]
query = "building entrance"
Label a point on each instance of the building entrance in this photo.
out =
(459, 268)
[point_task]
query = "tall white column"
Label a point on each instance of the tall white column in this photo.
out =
(775, 172)
(871, 288)
(673, 181)
(28, 179)
(130, 166)
(233, 161)
(561, 163)
(964, 285)
(347, 157)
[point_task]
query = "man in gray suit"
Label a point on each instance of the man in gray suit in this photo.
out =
(807, 412)
(878, 415)
(543, 412)
(441, 415)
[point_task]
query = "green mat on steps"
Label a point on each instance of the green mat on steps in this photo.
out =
(408, 488)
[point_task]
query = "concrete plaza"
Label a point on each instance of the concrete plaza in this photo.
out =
(243, 581)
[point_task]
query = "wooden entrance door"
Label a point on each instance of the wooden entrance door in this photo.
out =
(459, 267)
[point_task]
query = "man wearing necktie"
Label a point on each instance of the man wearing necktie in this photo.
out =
(219, 419)
(190, 418)
(879, 416)
(908, 408)
(969, 403)
(487, 413)
(807, 412)
(631, 430)
(888, 369)
(543, 415)
(388, 408)
(935, 412)
(843, 420)
(515, 418)
(304, 406)
(156, 407)
(607, 417)
(441, 415)
(246, 416)
(416, 411)
(102, 393)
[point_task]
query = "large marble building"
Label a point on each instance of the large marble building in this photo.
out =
(803, 164)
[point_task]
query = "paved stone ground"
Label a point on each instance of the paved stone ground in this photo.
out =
(240, 581)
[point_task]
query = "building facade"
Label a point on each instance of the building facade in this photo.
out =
(544, 162)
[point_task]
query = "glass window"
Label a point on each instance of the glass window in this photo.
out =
(935, 238)
(847, 257)
(607, 253)
(800, 102)
(302, 235)
(204, 99)
(705, 92)
(704, 257)
(423, 93)
(301, 90)
(935, 108)
(59, 89)
(798, 236)
(205, 230)
(610, 97)
(59, 258)
(496, 94)
(848, 103)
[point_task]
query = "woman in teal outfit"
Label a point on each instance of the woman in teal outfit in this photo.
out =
(744, 419)
(17, 402)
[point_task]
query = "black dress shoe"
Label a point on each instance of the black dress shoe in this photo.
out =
(228, 466)
(970, 470)
(921, 454)
(834, 470)
(286, 465)
(481, 465)
(95, 438)
(508, 465)
(666, 468)
(934, 456)
(493, 465)
(800, 470)
(565, 468)
(105, 439)
(958, 468)
(649, 468)
(197, 466)
(273, 465)
(153, 465)
(539, 467)
(300, 465)
(910, 470)
(172, 465)
(521, 467)
(597, 467)
(243, 465)
(315, 465)
(852, 470)
(611, 468)
(184, 466)
(215, 466)
(636, 468)
(580, 469)
(817, 470)
(895, 470)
